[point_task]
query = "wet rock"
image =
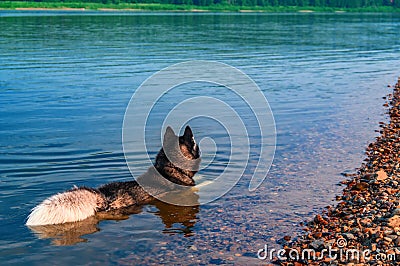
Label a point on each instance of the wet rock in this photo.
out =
(319, 220)
(361, 186)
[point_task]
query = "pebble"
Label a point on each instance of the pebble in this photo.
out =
(387, 239)
(381, 175)
(394, 221)
(317, 244)
(349, 236)
(287, 238)
(396, 211)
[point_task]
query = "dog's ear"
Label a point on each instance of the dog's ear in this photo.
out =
(169, 135)
(188, 135)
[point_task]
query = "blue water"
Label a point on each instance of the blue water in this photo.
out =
(66, 80)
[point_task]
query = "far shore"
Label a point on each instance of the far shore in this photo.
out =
(140, 7)
(49, 9)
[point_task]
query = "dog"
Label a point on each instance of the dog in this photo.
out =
(175, 166)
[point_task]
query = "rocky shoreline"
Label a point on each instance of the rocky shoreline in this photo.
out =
(364, 227)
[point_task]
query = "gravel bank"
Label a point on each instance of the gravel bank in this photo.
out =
(364, 227)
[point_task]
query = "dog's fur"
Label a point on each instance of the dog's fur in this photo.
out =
(176, 162)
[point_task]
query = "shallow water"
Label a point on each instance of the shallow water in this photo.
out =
(66, 79)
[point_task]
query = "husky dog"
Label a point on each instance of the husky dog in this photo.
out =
(175, 165)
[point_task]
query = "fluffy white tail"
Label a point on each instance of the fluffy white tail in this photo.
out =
(70, 206)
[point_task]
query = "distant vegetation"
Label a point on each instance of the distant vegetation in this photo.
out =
(215, 5)
(302, 3)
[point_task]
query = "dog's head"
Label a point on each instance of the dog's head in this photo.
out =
(179, 158)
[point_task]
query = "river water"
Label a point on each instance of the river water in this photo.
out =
(66, 79)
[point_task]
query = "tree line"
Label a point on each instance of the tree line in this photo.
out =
(263, 3)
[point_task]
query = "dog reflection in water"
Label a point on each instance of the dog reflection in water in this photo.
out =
(176, 220)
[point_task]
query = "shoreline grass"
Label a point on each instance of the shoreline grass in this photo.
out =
(132, 7)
